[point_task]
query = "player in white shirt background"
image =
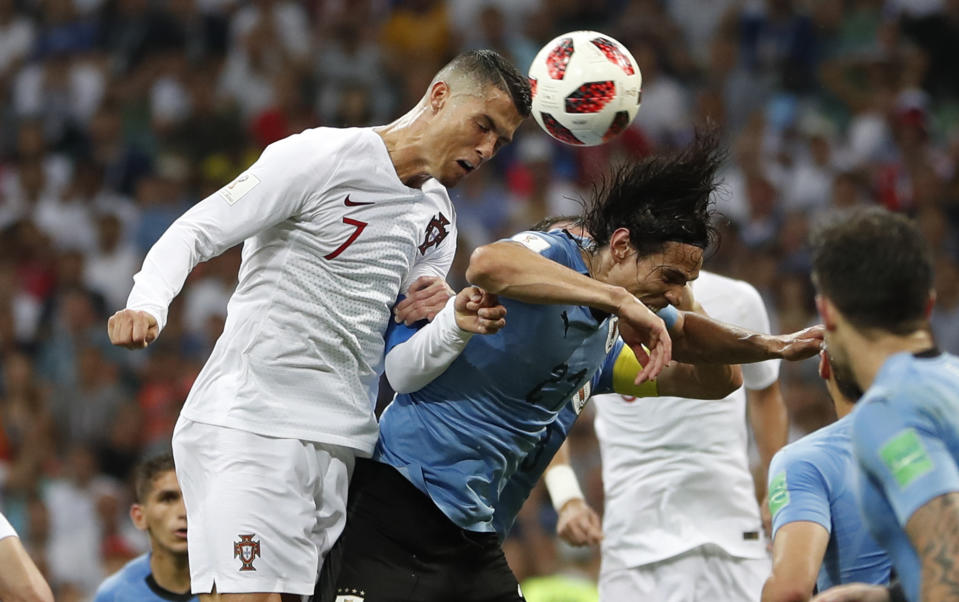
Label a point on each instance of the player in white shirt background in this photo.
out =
(681, 520)
(336, 223)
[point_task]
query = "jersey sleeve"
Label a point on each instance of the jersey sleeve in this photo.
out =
(618, 373)
(898, 445)
(552, 245)
(435, 262)
(277, 186)
(758, 375)
(798, 491)
(416, 356)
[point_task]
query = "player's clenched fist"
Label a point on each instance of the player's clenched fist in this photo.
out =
(478, 311)
(132, 329)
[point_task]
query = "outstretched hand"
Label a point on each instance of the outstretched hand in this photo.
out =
(479, 312)
(132, 329)
(425, 298)
(641, 329)
(802, 344)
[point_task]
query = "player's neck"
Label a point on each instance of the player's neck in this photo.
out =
(405, 146)
(868, 354)
(170, 571)
(843, 408)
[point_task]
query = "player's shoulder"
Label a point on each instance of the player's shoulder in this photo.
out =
(321, 144)
(718, 290)
(132, 573)
(822, 450)
(556, 245)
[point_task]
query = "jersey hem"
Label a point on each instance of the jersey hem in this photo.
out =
(617, 560)
(363, 449)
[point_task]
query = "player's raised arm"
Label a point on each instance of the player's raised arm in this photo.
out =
(270, 191)
(701, 339)
(512, 270)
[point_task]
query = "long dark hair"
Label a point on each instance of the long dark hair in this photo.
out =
(660, 198)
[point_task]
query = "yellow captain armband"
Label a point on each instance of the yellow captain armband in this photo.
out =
(625, 369)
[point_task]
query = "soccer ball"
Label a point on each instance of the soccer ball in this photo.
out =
(586, 88)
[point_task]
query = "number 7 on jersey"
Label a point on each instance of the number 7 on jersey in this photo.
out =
(359, 225)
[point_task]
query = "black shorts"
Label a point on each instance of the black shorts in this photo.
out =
(398, 546)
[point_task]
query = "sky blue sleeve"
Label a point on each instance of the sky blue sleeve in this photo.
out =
(798, 490)
(397, 333)
(898, 444)
(556, 246)
(669, 314)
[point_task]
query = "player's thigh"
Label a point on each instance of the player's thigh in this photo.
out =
(255, 508)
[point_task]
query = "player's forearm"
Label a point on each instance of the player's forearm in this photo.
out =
(700, 381)
(169, 262)
(777, 589)
(700, 339)
(510, 270)
(412, 365)
(933, 530)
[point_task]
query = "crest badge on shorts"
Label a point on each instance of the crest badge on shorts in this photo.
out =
(246, 550)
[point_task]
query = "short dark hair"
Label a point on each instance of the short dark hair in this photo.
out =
(149, 470)
(660, 198)
(546, 224)
(490, 68)
(875, 267)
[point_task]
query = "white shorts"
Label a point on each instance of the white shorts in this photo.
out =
(262, 512)
(703, 574)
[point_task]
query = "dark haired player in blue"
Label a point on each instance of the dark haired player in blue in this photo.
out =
(819, 539)
(469, 412)
(164, 572)
(873, 274)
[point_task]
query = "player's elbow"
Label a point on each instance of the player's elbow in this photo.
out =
(735, 379)
(780, 590)
(722, 386)
(488, 269)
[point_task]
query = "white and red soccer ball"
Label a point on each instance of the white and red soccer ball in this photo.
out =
(586, 88)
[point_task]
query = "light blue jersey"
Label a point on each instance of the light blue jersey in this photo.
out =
(461, 437)
(905, 434)
(519, 486)
(135, 583)
(814, 480)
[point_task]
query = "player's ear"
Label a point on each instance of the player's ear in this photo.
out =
(439, 93)
(138, 516)
(930, 303)
(825, 370)
(620, 245)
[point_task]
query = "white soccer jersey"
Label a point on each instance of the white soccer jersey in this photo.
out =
(675, 470)
(332, 236)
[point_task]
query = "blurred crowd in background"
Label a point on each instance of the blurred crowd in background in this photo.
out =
(118, 115)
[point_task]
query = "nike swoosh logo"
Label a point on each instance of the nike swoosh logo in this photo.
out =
(350, 203)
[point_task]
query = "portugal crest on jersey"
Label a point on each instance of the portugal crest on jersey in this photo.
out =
(246, 550)
(435, 232)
